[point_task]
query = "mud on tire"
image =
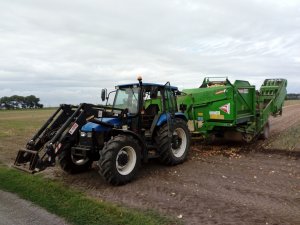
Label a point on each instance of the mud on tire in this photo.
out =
(173, 150)
(70, 165)
(120, 160)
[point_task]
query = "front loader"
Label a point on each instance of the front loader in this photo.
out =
(59, 131)
(142, 123)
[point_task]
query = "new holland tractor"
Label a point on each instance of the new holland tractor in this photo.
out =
(143, 122)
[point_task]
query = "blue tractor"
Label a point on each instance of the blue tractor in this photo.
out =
(142, 122)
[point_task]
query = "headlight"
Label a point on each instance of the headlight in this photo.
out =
(83, 134)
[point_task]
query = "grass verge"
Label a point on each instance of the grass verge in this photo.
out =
(72, 205)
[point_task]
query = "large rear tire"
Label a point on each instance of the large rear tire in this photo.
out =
(173, 150)
(72, 164)
(120, 160)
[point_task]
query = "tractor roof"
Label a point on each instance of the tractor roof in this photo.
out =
(145, 85)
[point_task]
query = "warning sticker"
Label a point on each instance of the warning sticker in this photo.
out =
(200, 113)
(73, 128)
(100, 114)
(216, 115)
(58, 147)
(225, 108)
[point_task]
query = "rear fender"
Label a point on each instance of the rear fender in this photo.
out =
(181, 115)
(165, 116)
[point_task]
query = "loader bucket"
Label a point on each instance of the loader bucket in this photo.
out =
(27, 160)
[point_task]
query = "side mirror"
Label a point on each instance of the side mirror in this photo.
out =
(103, 94)
(177, 93)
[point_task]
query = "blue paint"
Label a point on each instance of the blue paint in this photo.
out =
(88, 127)
(163, 117)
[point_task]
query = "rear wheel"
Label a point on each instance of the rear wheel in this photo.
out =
(247, 137)
(73, 164)
(120, 160)
(173, 150)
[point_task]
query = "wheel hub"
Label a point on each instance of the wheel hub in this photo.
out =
(176, 141)
(126, 160)
(179, 142)
(123, 159)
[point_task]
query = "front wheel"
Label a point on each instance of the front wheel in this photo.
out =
(173, 147)
(73, 164)
(120, 160)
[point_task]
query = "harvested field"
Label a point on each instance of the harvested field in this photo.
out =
(221, 183)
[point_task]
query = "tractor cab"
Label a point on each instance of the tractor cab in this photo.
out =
(138, 107)
(146, 102)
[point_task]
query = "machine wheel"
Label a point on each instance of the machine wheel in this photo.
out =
(247, 137)
(266, 131)
(173, 150)
(120, 159)
(73, 164)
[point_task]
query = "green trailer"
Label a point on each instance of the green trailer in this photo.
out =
(220, 108)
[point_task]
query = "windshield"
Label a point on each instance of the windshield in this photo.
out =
(127, 98)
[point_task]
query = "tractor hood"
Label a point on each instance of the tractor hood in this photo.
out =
(89, 127)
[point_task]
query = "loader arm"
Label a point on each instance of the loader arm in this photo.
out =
(60, 129)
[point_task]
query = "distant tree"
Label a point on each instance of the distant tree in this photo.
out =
(293, 96)
(17, 102)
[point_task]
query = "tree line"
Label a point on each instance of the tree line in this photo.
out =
(20, 102)
(293, 96)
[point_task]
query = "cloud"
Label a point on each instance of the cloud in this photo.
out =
(66, 51)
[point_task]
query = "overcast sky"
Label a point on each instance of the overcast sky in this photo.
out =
(66, 51)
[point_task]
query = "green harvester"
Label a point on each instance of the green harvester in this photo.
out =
(220, 108)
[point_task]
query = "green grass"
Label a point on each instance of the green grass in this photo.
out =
(20, 122)
(17, 127)
(72, 205)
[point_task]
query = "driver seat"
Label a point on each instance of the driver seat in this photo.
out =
(150, 112)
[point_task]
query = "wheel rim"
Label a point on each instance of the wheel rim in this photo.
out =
(247, 137)
(179, 148)
(126, 160)
(79, 161)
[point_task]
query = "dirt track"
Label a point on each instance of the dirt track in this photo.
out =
(220, 184)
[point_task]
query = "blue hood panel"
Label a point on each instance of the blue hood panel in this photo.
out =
(88, 127)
